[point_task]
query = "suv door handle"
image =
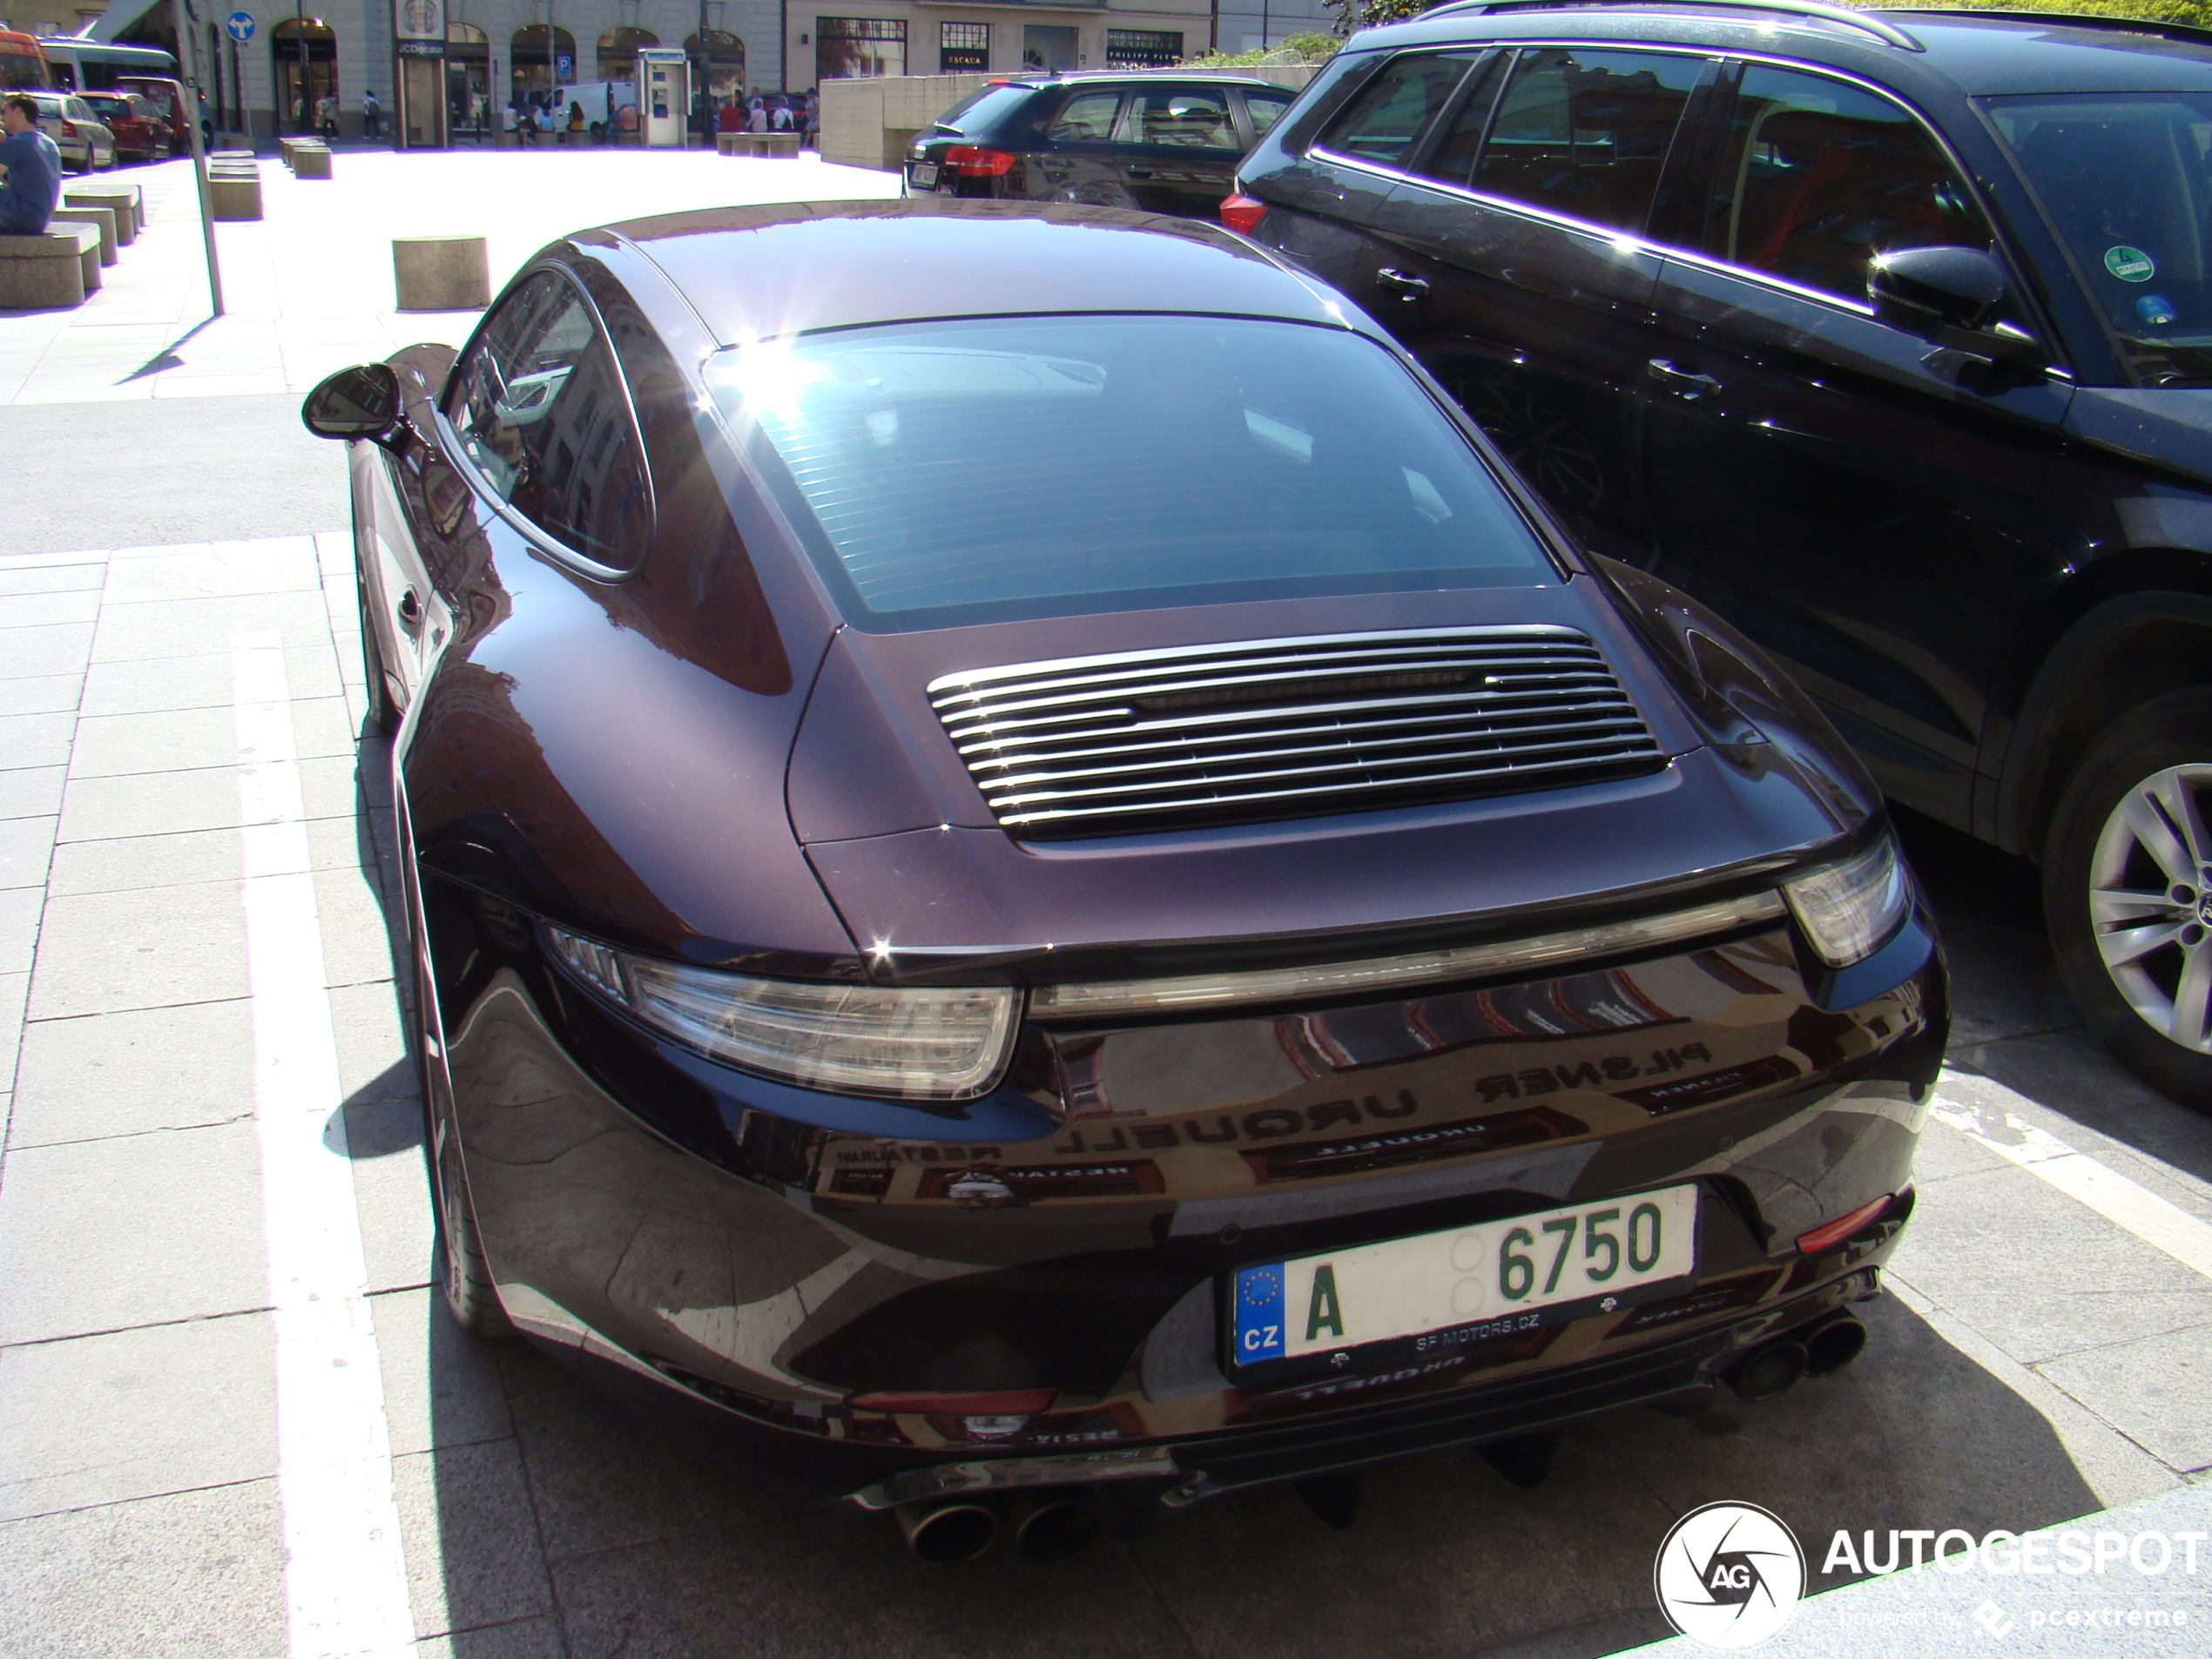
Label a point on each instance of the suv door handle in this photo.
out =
(1680, 382)
(1407, 287)
(410, 611)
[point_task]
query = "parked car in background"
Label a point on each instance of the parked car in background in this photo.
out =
(168, 97)
(83, 138)
(1112, 141)
(1030, 867)
(140, 133)
(1887, 334)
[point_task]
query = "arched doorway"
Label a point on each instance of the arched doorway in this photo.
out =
(534, 53)
(303, 57)
(725, 62)
(618, 52)
(467, 82)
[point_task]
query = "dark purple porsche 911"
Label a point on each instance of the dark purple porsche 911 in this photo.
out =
(1032, 871)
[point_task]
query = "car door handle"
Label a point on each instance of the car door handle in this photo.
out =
(1407, 287)
(1140, 173)
(410, 611)
(1680, 382)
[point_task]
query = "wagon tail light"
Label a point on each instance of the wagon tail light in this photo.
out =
(922, 1043)
(1848, 909)
(976, 162)
(1243, 213)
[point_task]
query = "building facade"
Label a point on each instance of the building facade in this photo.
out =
(462, 61)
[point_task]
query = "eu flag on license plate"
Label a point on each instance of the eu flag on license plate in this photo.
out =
(1259, 1313)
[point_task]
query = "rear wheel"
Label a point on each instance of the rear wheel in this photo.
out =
(471, 1295)
(2127, 888)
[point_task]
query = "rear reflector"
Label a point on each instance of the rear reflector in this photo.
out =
(1843, 1227)
(1023, 1402)
(979, 163)
(1243, 213)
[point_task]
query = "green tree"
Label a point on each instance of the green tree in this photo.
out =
(1365, 14)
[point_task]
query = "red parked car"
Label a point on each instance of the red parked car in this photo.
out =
(140, 133)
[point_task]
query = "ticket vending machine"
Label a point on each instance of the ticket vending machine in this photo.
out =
(663, 97)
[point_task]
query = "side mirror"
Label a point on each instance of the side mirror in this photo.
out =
(1950, 296)
(358, 402)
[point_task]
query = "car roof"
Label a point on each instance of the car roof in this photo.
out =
(755, 273)
(1126, 77)
(1979, 53)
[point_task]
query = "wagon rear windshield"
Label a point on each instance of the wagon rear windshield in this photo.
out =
(948, 473)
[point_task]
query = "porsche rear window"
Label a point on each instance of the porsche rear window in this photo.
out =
(968, 471)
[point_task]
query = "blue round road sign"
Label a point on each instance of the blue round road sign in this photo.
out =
(240, 25)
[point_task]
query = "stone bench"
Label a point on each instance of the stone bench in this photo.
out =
(441, 273)
(783, 144)
(58, 268)
(128, 201)
(102, 217)
(310, 161)
(234, 196)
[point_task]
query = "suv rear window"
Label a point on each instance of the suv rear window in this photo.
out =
(969, 471)
(1386, 118)
(985, 107)
(1584, 132)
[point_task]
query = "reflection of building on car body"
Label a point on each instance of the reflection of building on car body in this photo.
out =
(892, 969)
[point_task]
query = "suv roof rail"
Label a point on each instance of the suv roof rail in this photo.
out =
(2196, 33)
(1887, 32)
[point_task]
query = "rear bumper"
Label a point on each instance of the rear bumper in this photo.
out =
(680, 1231)
(1686, 1369)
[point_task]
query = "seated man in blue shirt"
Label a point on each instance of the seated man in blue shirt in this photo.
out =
(34, 180)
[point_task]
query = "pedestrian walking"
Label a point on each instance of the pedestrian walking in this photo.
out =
(756, 117)
(34, 166)
(327, 117)
(372, 119)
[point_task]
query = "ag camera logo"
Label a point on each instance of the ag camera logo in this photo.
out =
(1729, 1576)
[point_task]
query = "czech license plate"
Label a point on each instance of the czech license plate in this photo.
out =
(923, 175)
(1497, 1277)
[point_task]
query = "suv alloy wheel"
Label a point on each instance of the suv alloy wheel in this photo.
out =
(2127, 885)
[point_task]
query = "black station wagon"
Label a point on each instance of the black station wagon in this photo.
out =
(1157, 143)
(1886, 333)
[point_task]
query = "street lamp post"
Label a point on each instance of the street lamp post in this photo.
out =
(188, 63)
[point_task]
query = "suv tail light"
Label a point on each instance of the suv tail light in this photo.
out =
(979, 163)
(1243, 213)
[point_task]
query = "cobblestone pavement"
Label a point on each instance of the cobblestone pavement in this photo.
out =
(2047, 1353)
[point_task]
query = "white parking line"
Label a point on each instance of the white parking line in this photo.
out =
(345, 1576)
(2112, 1195)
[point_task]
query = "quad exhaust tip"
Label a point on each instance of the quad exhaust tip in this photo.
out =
(1051, 1526)
(1044, 1526)
(1834, 1345)
(1772, 1368)
(949, 1529)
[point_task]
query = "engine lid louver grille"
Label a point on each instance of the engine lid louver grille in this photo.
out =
(1256, 730)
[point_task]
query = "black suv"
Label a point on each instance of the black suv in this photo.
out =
(1886, 333)
(1156, 142)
